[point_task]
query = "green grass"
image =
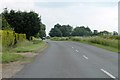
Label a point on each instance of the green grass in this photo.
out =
(10, 53)
(105, 42)
(60, 38)
(101, 46)
(10, 57)
(31, 47)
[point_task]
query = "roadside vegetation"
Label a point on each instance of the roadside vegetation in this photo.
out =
(106, 42)
(29, 46)
(21, 32)
(102, 39)
(11, 54)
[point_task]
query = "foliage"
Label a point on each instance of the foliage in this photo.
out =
(115, 37)
(115, 33)
(29, 46)
(10, 57)
(42, 32)
(55, 32)
(10, 54)
(82, 31)
(4, 24)
(61, 31)
(101, 40)
(28, 23)
(60, 38)
(98, 40)
(67, 30)
(95, 32)
(9, 37)
(104, 33)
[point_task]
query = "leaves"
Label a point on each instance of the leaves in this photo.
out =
(24, 22)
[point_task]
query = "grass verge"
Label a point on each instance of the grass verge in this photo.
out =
(10, 53)
(105, 43)
(10, 57)
(31, 47)
(101, 46)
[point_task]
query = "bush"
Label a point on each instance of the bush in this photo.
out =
(76, 39)
(102, 41)
(111, 37)
(7, 38)
(10, 38)
(60, 38)
(22, 37)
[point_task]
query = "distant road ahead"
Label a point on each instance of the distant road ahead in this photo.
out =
(72, 60)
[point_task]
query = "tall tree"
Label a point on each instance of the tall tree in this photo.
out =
(24, 22)
(104, 32)
(115, 33)
(42, 32)
(95, 32)
(55, 32)
(82, 31)
(65, 29)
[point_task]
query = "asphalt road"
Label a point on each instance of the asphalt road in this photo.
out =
(72, 60)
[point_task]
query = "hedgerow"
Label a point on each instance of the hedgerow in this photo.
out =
(10, 38)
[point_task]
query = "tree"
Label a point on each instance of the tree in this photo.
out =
(24, 22)
(65, 29)
(4, 24)
(115, 33)
(82, 31)
(95, 32)
(88, 32)
(55, 32)
(104, 32)
(76, 31)
(42, 32)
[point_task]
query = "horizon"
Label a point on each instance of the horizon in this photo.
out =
(97, 15)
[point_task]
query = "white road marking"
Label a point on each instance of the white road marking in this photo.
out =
(85, 57)
(107, 73)
(77, 50)
(72, 47)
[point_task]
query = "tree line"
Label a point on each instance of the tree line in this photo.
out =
(67, 30)
(28, 23)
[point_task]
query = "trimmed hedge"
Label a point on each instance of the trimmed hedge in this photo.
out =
(10, 38)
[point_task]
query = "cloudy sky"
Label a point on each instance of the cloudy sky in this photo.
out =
(96, 14)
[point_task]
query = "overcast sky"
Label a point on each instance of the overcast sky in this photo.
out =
(96, 14)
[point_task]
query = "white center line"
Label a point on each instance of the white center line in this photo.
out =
(107, 73)
(77, 50)
(85, 57)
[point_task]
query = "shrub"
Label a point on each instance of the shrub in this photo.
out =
(9, 37)
(103, 41)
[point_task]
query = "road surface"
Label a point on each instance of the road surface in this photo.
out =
(72, 60)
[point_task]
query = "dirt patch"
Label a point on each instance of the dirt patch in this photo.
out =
(28, 54)
(10, 69)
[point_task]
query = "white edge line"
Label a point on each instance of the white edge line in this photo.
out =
(85, 57)
(107, 73)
